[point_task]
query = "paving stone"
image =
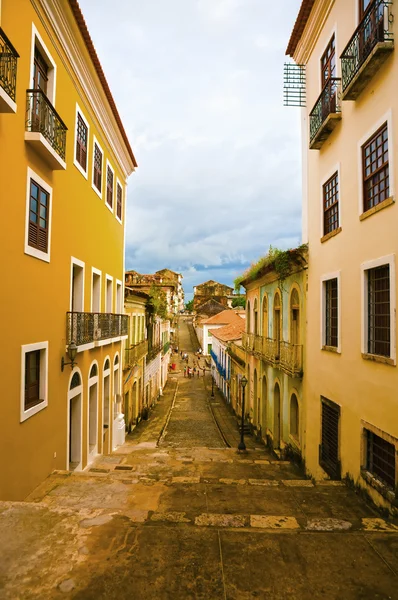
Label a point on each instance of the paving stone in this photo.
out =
(233, 481)
(328, 524)
(171, 517)
(67, 585)
(221, 520)
(95, 521)
(264, 482)
(269, 522)
(261, 462)
(330, 483)
(378, 525)
(245, 461)
(297, 483)
(185, 480)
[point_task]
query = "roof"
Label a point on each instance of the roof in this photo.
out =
(81, 23)
(299, 26)
(298, 257)
(225, 317)
(212, 282)
(211, 307)
(229, 332)
(129, 291)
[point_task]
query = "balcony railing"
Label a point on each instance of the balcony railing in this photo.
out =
(166, 347)
(263, 347)
(154, 351)
(41, 117)
(368, 48)
(85, 328)
(326, 113)
(8, 66)
(135, 353)
(291, 359)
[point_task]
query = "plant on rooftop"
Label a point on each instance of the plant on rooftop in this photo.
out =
(158, 301)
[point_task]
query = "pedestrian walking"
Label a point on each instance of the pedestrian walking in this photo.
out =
(181, 354)
(194, 371)
(189, 372)
(185, 371)
(198, 372)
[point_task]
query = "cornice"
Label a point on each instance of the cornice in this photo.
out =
(55, 13)
(312, 30)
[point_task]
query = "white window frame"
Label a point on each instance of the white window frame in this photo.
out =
(366, 266)
(43, 347)
(37, 40)
(330, 173)
(78, 263)
(118, 182)
(332, 32)
(119, 300)
(387, 117)
(96, 190)
(72, 393)
(92, 381)
(324, 279)
(95, 271)
(75, 162)
(29, 249)
(108, 164)
(108, 278)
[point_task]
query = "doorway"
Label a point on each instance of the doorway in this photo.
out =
(75, 394)
(277, 416)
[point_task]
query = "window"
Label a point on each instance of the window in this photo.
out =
(34, 370)
(331, 204)
(376, 186)
(119, 201)
(109, 186)
(331, 314)
(329, 450)
(77, 286)
(328, 62)
(294, 416)
(380, 458)
(39, 204)
(265, 316)
(119, 308)
(294, 318)
(108, 296)
(81, 142)
(363, 6)
(378, 300)
(40, 72)
(96, 291)
(97, 168)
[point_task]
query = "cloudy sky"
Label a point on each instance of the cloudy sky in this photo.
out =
(199, 84)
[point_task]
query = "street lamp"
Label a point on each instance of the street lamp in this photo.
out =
(71, 352)
(242, 445)
(212, 382)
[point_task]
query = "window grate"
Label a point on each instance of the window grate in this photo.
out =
(109, 187)
(376, 169)
(294, 85)
(379, 310)
(331, 317)
(380, 458)
(97, 168)
(81, 142)
(329, 449)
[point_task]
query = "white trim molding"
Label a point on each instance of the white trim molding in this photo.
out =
(366, 266)
(29, 249)
(43, 347)
(78, 263)
(108, 278)
(119, 301)
(37, 40)
(72, 393)
(75, 162)
(324, 279)
(95, 271)
(96, 190)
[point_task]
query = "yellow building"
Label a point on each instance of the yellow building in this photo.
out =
(273, 341)
(65, 159)
(350, 127)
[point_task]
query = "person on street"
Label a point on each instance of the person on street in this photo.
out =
(185, 371)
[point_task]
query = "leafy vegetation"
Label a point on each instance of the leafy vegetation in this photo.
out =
(189, 305)
(281, 260)
(158, 301)
(239, 302)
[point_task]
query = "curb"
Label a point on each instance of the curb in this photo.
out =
(163, 430)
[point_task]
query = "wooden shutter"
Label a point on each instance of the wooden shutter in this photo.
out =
(119, 202)
(32, 378)
(39, 209)
(81, 142)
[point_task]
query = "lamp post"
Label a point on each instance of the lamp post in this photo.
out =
(212, 381)
(242, 445)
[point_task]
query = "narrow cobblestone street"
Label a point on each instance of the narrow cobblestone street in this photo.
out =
(176, 514)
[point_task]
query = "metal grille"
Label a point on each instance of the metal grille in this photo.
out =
(374, 28)
(294, 85)
(8, 66)
(375, 169)
(84, 328)
(331, 317)
(331, 204)
(119, 201)
(109, 187)
(379, 310)
(42, 117)
(329, 449)
(380, 458)
(327, 103)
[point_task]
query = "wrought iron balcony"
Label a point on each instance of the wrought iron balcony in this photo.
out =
(8, 74)
(263, 347)
(135, 353)
(368, 48)
(85, 328)
(153, 351)
(291, 359)
(45, 129)
(166, 347)
(326, 113)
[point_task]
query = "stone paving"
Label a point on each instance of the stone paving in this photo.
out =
(168, 517)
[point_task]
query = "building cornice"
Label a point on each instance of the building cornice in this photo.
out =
(311, 30)
(99, 104)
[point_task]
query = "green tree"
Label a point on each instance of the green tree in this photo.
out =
(189, 305)
(159, 301)
(241, 301)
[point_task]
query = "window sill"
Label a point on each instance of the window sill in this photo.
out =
(385, 360)
(375, 209)
(331, 349)
(378, 485)
(331, 234)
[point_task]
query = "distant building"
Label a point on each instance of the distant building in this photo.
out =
(221, 359)
(211, 290)
(226, 317)
(168, 281)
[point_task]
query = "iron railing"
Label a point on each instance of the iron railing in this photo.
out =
(42, 117)
(84, 328)
(166, 347)
(8, 66)
(135, 353)
(374, 28)
(263, 347)
(291, 358)
(328, 103)
(154, 351)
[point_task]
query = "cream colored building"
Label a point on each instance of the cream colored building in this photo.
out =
(350, 140)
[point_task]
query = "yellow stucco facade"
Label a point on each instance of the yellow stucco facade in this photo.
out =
(351, 376)
(80, 268)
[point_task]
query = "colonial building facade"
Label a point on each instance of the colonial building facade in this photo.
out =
(350, 133)
(65, 159)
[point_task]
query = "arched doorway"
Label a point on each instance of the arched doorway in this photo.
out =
(277, 415)
(256, 419)
(75, 405)
(106, 392)
(247, 393)
(294, 417)
(264, 400)
(92, 420)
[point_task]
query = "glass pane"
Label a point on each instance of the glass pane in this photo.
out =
(43, 212)
(42, 223)
(34, 190)
(33, 217)
(43, 198)
(33, 204)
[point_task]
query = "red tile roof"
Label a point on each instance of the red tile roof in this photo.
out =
(224, 318)
(301, 22)
(229, 332)
(81, 23)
